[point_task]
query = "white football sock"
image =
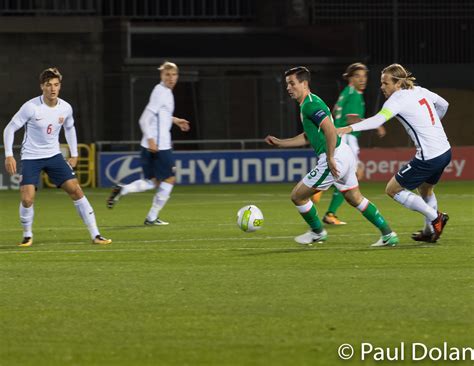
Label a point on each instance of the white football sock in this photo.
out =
(363, 205)
(305, 207)
(86, 212)
(26, 219)
(140, 185)
(433, 203)
(415, 203)
(159, 200)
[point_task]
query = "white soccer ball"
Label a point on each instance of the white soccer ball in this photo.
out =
(249, 218)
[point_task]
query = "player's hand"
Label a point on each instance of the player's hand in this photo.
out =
(152, 146)
(272, 140)
(381, 132)
(183, 124)
(10, 165)
(333, 168)
(343, 130)
(72, 161)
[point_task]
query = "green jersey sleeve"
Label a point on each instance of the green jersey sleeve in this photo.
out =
(314, 113)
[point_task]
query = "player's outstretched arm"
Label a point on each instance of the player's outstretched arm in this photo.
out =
(368, 124)
(183, 124)
(352, 118)
(297, 141)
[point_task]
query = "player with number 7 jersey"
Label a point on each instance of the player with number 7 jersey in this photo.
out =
(420, 112)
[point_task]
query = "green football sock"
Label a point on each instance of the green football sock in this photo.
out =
(372, 214)
(336, 201)
(311, 217)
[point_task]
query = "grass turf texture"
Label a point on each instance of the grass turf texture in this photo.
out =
(200, 291)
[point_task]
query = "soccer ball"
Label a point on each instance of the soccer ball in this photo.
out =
(249, 218)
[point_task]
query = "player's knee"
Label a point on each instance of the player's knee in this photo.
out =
(351, 200)
(360, 172)
(27, 202)
(390, 191)
(76, 192)
(353, 197)
(425, 190)
(296, 199)
(170, 180)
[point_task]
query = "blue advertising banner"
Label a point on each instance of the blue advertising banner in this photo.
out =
(214, 167)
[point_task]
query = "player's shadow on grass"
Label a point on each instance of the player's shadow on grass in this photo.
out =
(124, 227)
(328, 248)
(399, 247)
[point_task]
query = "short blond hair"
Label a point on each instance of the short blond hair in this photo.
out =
(50, 73)
(399, 73)
(167, 65)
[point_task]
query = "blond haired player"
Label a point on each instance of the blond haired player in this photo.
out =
(420, 111)
(156, 146)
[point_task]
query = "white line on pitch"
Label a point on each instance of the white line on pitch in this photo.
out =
(155, 249)
(25, 250)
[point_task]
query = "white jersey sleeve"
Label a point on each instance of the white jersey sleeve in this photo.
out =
(390, 108)
(9, 137)
(158, 124)
(146, 122)
(70, 134)
(25, 113)
(369, 123)
(21, 117)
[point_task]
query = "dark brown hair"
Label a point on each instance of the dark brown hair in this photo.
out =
(48, 74)
(301, 72)
(352, 68)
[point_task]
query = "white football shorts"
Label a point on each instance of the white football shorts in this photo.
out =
(353, 143)
(320, 176)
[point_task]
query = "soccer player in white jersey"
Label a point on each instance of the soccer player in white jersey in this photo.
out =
(156, 146)
(43, 118)
(420, 111)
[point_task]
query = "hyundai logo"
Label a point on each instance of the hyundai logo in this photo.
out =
(121, 168)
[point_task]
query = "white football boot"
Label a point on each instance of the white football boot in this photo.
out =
(310, 237)
(389, 240)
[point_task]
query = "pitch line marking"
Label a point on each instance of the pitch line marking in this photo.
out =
(155, 249)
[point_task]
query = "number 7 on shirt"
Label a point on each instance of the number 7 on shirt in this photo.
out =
(425, 102)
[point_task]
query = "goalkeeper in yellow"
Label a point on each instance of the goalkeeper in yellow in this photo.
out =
(336, 164)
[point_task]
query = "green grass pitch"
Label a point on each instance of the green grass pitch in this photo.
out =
(201, 292)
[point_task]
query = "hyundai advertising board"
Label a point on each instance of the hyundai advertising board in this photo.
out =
(269, 166)
(204, 167)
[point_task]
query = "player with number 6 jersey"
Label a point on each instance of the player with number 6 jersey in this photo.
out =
(43, 118)
(420, 112)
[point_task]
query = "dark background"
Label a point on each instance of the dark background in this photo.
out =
(231, 54)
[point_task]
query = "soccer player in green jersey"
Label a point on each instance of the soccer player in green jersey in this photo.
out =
(336, 165)
(349, 109)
